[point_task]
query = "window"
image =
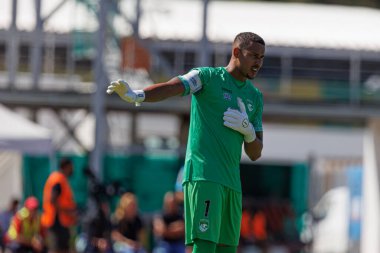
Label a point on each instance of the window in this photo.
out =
(322, 69)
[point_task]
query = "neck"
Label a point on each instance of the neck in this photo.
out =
(234, 72)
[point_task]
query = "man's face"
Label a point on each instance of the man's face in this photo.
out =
(69, 169)
(251, 60)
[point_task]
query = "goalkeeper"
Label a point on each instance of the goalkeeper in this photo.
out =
(226, 111)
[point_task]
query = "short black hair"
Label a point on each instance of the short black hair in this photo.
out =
(15, 202)
(64, 162)
(245, 39)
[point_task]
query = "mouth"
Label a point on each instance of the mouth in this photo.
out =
(255, 69)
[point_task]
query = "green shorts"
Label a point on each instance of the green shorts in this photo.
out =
(212, 212)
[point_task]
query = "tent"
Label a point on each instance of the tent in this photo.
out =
(18, 136)
(18, 133)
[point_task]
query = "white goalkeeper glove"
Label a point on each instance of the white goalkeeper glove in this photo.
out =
(122, 89)
(238, 121)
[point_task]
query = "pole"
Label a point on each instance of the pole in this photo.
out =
(36, 57)
(13, 47)
(101, 80)
(204, 51)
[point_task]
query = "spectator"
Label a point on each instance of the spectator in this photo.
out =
(99, 230)
(25, 233)
(178, 187)
(5, 220)
(129, 232)
(259, 226)
(179, 197)
(254, 230)
(170, 227)
(59, 209)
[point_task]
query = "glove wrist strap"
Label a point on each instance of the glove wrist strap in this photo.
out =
(251, 136)
(140, 96)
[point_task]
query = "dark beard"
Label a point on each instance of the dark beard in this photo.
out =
(250, 78)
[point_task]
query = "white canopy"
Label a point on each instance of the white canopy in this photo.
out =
(20, 134)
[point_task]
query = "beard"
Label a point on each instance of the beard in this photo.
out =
(250, 77)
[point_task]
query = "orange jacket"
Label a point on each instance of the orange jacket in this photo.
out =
(65, 202)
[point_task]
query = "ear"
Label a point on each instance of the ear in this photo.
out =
(236, 52)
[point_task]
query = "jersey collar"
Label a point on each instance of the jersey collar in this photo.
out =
(237, 83)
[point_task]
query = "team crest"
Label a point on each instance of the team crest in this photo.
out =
(203, 225)
(249, 105)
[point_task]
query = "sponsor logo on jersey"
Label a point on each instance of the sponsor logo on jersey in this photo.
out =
(203, 225)
(227, 96)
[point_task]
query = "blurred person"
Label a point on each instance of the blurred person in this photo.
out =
(226, 112)
(25, 233)
(254, 230)
(245, 227)
(5, 220)
(99, 229)
(59, 209)
(259, 229)
(179, 197)
(128, 231)
(169, 227)
(178, 187)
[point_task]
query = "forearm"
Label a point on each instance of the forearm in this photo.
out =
(254, 148)
(22, 240)
(174, 233)
(162, 91)
(117, 236)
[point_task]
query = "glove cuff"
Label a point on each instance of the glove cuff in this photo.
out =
(251, 136)
(140, 96)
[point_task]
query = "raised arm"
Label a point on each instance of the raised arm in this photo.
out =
(162, 91)
(153, 93)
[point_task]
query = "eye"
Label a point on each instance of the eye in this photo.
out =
(257, 57)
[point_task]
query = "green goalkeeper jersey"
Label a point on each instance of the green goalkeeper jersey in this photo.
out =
(214, 150)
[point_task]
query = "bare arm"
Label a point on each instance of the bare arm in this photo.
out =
(117, 236)
(254, 148)
(175, 230)
(162, 91)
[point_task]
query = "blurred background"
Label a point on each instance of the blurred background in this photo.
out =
(317, 183)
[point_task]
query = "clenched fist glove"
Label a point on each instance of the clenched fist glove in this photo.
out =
(238, 121)
(122, 89)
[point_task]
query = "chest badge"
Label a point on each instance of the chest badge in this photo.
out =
(250, 107)
(227, 96)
